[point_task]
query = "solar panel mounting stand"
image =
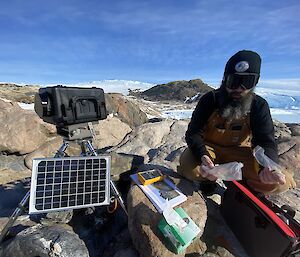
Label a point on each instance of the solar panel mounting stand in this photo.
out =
(83, 135)
(88, 150)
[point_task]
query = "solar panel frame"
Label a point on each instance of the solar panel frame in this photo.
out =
(69, 183)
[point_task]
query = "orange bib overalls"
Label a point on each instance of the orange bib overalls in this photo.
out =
(227, 142)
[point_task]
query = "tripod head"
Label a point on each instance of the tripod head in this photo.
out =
(74, 132)
(82, 134)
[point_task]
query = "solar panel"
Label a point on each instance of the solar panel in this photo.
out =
(69, 183)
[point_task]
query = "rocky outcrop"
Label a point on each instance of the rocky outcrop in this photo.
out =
(17, 93)
(159, 143)
(126, 110)
(176, 91)
(21, 131)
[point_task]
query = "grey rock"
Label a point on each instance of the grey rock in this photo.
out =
(284, 147)
(295, 129)
(290, 198)
(12, 168)
(218, 252)
(282, 131)
(122, 163)
(144, 138)
(63, 217)
(52, 218)
(159, 143)
(12, 162)
(45, 241)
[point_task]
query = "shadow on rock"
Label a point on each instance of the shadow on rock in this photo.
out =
(98, 228)
(11, 195)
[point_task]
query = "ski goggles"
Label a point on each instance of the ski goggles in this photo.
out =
(245, 80)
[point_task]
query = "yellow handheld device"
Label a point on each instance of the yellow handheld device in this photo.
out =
(150, 176)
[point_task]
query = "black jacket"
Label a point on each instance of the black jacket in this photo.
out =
(261, 123)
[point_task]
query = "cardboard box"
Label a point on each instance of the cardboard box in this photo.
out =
(176, 239)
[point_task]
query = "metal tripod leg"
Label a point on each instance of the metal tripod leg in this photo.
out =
(112, 184)
(18, 211)
(61, 151)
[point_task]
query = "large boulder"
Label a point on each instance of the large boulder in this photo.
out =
(22, 131)
(49, 149)
(110, 132)
(125, 109)
(45, 241)
(143, 221)
(159, 142)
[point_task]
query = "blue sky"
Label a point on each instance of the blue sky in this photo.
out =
(152, 41)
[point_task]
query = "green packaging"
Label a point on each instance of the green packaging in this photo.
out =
(179, 240)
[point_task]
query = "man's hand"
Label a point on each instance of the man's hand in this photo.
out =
(205, 160)
(206, 164)
(268, 176)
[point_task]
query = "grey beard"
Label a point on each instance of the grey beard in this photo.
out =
(237, 109)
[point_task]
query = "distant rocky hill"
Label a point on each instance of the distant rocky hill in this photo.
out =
(176, 90)
(22, 94)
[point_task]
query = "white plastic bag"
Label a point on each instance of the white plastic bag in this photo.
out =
(173, 218)
(227, 171)
(265, 161)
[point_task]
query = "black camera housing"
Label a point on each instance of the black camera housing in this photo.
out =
(64, 106)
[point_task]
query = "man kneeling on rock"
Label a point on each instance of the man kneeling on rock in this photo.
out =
(228, 123)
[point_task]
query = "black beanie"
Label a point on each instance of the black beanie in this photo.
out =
(243, 61)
